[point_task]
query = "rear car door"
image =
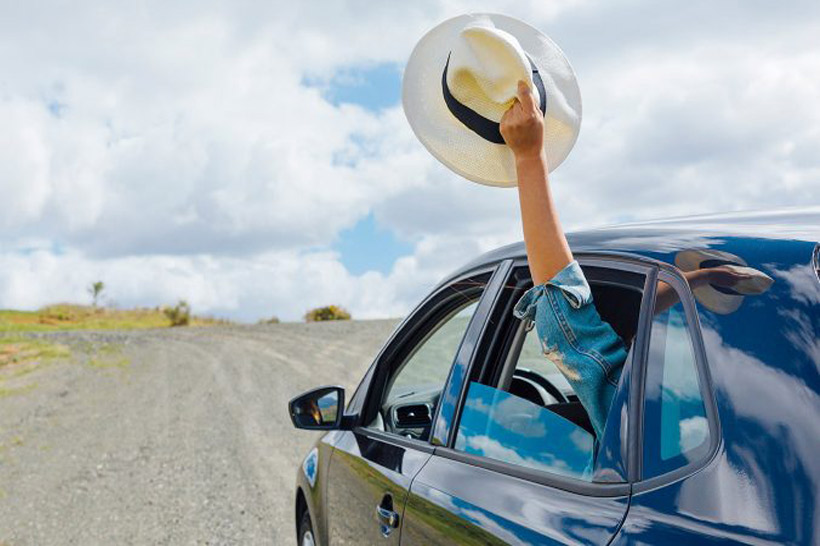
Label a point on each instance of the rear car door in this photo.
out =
(513, 463)
(679, 432)
(373, 464)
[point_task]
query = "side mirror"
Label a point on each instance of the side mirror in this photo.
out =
(319, 409)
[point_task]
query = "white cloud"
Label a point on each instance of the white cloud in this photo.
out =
(693, 432)
(285, 283)
(174, 149)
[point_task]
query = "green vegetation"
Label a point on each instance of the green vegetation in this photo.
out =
(95, 289)
(107, 355)
(19, 356)
(179, 315)
(21, 350)
(86, 317)
(272, 320)
(331, 312)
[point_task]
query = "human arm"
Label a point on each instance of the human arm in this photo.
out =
(584, 348)
(522, 127)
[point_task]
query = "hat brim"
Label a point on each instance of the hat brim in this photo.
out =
(456, 146)
(718, 302)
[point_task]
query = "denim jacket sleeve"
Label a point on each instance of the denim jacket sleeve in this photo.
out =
(584, 348)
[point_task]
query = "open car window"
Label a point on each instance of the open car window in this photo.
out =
(522, 411)
(532, 359)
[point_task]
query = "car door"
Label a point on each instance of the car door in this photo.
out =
(682, 491)
(373, 464)
(514, 464)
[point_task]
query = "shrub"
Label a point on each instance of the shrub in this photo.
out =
(330, 312)
(66, 313)
(58, 313)
(95, 289)
(272, 320)
(179, 315)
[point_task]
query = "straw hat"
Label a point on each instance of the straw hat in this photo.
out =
(461, 78)
(722, 299)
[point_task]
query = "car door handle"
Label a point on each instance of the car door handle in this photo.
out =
(389, 520)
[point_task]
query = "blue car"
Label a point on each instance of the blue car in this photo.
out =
(465, 431)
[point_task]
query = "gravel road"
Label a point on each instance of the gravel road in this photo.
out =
(177, 436)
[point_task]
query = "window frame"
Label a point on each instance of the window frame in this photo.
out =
(406, 338)
(674, 278)
(614, 261)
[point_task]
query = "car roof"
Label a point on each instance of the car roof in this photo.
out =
(662, 239)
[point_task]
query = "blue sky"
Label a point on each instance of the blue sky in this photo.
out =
(253, 158)
(366, 246)
(373, 87)
(369, 247)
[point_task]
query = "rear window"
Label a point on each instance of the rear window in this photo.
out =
(676, 428)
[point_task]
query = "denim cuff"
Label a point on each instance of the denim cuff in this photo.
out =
(572, 284)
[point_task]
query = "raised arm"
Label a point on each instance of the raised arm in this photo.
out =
(523, 130)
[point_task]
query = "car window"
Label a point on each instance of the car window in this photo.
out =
(501, 426)
(532, 358)
(527, 422)
(414, 389)
(526, 412)
(429, 364)
(676, 429)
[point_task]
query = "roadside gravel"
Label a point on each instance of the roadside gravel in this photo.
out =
(177, 436)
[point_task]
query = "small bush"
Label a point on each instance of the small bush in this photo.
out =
(179, 315)
(96, 289)
(272, 320)
(58, 313)
(66, 313)
(330, 312)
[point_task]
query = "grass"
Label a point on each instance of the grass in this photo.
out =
(19, 356)
(22, 350)
(85, 317)
(108, 356)
(7, 391)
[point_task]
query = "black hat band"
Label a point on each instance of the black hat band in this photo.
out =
(483, 127)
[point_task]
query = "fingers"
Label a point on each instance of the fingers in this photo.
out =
(506, 115)
(525, 95)
(724, 276)
(733, 273)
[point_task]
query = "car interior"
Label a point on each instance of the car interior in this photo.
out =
(528, 374)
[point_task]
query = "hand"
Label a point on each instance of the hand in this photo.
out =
(718, 276)
(522, 126)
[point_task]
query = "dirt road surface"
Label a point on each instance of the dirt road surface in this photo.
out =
(177, 436)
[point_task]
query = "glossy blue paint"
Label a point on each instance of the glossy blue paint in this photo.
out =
(456, 503)
(762, 484)
(760, 481)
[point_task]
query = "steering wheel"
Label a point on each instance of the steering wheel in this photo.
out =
(541, 381)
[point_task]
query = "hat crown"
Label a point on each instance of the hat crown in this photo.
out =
(461, 79)
(484, 68)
